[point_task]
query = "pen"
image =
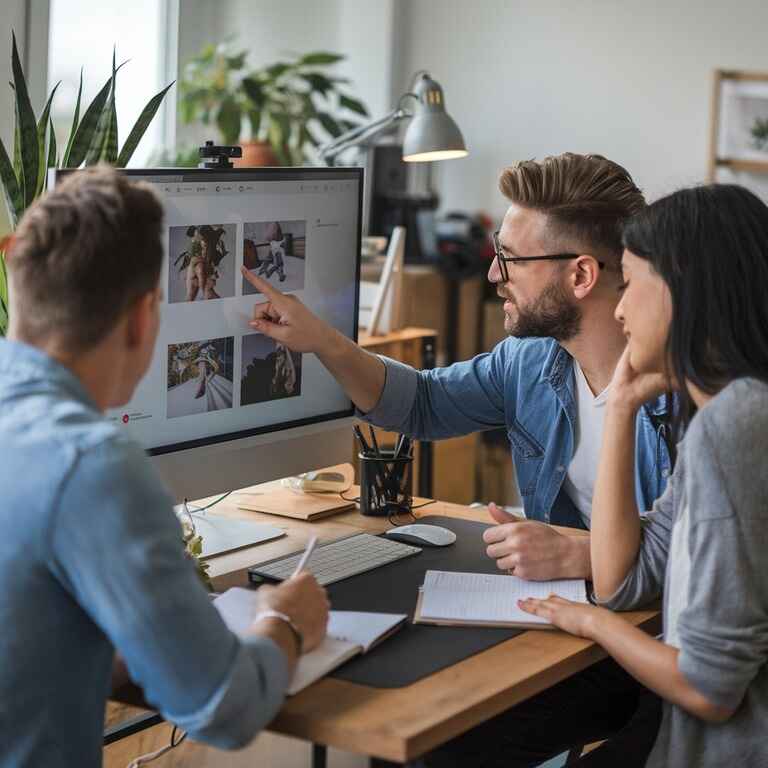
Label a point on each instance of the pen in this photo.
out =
(361, 440)
(305, 557)
(374, 443)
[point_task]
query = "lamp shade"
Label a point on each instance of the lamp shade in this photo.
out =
(432, 133)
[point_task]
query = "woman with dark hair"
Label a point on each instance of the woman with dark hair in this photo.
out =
(695, 314)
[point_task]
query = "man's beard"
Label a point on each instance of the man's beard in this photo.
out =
(553, 315)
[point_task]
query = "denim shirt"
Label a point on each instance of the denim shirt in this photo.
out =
(91, 561)
(525, 386)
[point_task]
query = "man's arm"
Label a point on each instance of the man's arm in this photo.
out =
(284, 318)
(116, 548)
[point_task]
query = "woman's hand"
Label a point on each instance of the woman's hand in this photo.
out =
(576, 618)
(630, 389)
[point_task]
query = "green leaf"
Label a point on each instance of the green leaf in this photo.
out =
(330, 125)
(17, 163)
(229, 120)
(104, 143)
(254, 90)
(11, 186)
(98, 147)
(30, 154)
(86, 131)
(75, 120)
(139, 128)
(353, 105)
(317, 82)
(52, 149)
(42, 132)
(280, 68)
(237, 61)
(320, 58)
(254, 118)
(310, 137)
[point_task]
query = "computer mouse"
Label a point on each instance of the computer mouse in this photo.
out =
(422, 535)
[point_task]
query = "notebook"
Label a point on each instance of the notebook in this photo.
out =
(480, 599)
(349, 633)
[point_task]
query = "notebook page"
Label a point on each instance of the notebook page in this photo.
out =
(330, 654)
(455, 596)
(362, 628)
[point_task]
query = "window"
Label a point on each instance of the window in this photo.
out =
(82, 34)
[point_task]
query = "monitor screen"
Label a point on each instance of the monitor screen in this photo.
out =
(213, 378)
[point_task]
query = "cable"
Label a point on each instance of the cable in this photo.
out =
(213, 503)
(151, 756)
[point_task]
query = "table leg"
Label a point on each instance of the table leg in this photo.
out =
(319, 756)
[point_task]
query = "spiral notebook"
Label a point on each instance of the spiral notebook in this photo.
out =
(349, 634)
(479, 599)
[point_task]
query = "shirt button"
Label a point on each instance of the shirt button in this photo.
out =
(560, 468)
(665, 473)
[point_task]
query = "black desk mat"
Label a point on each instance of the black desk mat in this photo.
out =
(416, 650)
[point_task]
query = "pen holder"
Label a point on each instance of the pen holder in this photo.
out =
(385, 484)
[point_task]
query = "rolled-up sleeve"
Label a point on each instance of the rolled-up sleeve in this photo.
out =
(444, 402)
(117, 549)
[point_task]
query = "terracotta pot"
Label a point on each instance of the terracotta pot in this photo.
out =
(256, 154)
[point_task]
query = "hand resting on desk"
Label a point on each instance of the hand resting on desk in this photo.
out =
(534, 550)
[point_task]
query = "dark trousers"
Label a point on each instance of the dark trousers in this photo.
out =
(601, 703)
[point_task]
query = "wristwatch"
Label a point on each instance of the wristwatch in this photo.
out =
(270, 613)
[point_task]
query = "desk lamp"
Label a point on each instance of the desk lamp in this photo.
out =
(431, 135)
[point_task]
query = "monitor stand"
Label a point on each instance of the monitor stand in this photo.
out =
(225, 534)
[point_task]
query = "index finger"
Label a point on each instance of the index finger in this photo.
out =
(261, 285)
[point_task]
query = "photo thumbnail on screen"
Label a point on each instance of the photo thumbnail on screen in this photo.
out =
(201, 262)
(200, 376)
(270, 371)
(275, 251)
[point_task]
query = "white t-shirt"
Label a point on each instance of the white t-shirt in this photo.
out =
(579, 481)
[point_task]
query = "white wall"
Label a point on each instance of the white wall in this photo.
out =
(535, 77)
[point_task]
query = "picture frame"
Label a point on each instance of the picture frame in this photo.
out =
(739, 127)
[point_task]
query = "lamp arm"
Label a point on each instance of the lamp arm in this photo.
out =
(361, 133)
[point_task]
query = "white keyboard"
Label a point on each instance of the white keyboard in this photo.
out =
(338, 559)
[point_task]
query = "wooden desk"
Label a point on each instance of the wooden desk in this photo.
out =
(404, 723)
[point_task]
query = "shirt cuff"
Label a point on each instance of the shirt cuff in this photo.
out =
(397, 397)
(247, 700)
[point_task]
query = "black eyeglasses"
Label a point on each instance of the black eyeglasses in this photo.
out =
(504, 260)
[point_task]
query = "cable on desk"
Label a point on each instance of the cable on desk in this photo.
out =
(150, 756)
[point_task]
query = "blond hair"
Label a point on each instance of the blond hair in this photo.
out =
(586, 199)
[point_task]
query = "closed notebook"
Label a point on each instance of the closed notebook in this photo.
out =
(349, 633)
(484, 600)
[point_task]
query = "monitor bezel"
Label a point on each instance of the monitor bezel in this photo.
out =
(294, 173)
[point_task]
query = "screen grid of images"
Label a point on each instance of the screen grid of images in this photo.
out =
(202, 266)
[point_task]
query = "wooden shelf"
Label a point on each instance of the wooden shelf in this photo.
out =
(752, 166)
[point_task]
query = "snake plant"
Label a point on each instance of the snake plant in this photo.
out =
(93, 138)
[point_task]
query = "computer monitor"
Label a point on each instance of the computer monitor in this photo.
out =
(221, 406)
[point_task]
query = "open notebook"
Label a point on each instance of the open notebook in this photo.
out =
(349, 633)
(479, 599)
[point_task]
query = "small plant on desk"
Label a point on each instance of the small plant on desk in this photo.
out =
(193, 548)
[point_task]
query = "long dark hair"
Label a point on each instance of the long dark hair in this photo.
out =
(710, 246)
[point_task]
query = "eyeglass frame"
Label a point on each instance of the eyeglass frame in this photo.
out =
(504, 260)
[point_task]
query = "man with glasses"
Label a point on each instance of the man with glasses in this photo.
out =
(557, 268)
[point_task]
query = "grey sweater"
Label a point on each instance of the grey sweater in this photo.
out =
(706, 544)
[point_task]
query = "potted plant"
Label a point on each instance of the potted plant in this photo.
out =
(93, 138)
(285, 106)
